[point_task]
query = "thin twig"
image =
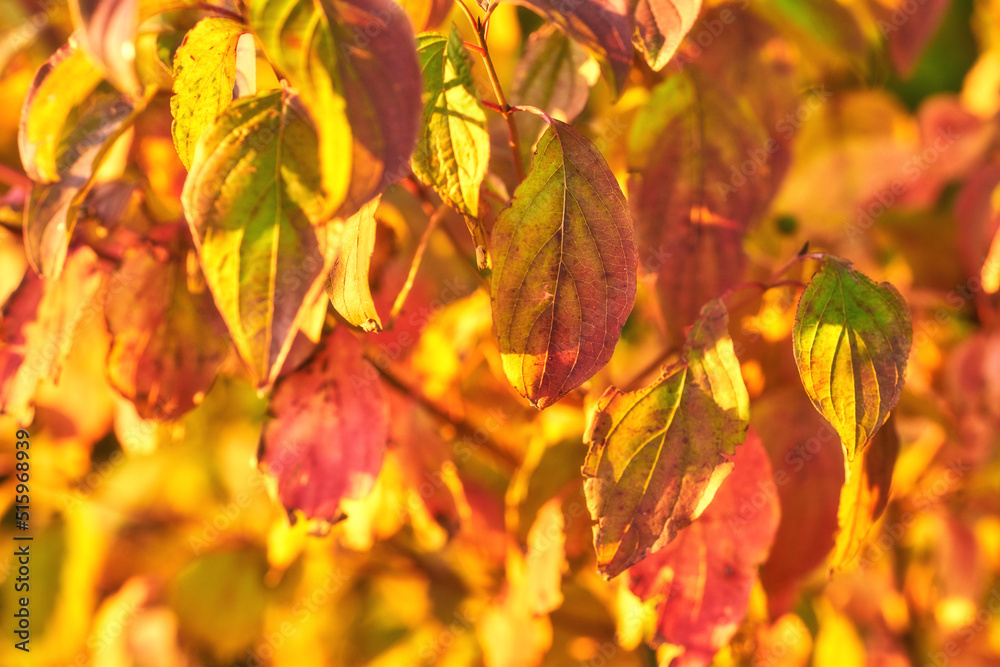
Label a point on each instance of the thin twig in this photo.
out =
(397, 305)
(480, 27)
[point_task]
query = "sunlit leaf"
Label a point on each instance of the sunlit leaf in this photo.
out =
(59, 88)
(564, 274)
(167, 342)
(347, 285)
(425, 14)
(40, 320)
(256, 211)
(204, 76)
(329, 430)
(453, 150)
(354, 63)
(546, 559)
(702, 580)
(658, 454)
(851, 342)
(865, 493)
(603, 26)
(977, 210)
(554, 74)
(661, 25)
(108, 35)
(63, 146)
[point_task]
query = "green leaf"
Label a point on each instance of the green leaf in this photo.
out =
(204, 76)
(453, 150)
(658, 454)
(71, 117)
(257, 214)
(851, 341)
(565, 263)
(354, 63)
(347, 285)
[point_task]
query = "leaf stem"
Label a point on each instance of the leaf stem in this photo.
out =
(481, 27)
(418, 256)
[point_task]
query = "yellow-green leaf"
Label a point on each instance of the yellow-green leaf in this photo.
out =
(565, 264)
(453, 150)
(851, 341)
(256, 209)
(204, 76)
(347, 285)
(658, 454)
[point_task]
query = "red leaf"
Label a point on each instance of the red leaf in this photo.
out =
(703, 578)
(329, 430)
(908, 28)
(168, 342)
(661, 25)
(808, 467)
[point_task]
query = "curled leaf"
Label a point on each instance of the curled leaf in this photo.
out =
(661, 25)
(658, 454)
(564, 275)
(453, 150)
(167, 341)
(254, 202)
(347, 285)
(851, 341)
(865, 493)
(108, 35)
(329, 430)
(204, 76)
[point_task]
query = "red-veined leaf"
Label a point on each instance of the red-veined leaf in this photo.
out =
(564, 275)
(661, 25)
(658, 454)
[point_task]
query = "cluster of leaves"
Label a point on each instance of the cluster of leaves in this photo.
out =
(233, 197)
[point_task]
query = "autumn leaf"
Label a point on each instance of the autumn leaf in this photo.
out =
(204, 76)
(167, 341)
(865, 494)
(326, 440)
(347, 285)
(658, 454)
(661, 25)
(363, 93)
(554, 74)
(426, 14)
(808, 469)
(851, 341)
(564, 275)
(707, 154)
(108, 35)
(907, 33)
(256, 211)
(453, 149)
(39, 322)
(70, 119)
(702, 580)
(977, 212)
(546, 559)
(603, 26)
